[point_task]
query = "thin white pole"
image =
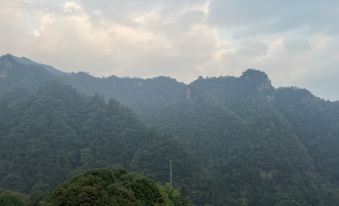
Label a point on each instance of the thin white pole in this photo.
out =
(171, 174)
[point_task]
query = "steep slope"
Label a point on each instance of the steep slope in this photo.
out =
(316, 122)
(262, 146)
(233, 127)
(144, 96)
(245, 141)
(56, 131)
(23, 74)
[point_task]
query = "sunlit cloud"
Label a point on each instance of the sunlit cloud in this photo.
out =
(295, 42)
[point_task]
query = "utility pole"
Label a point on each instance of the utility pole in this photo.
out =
(171, 174)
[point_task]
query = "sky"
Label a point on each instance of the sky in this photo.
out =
(296, 42)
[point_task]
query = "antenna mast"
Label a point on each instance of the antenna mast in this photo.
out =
(171, 174)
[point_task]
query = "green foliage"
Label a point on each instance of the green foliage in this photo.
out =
(174, 197)
(11, 199)
(315, 121)
(104, 187)
(56, 132)
(244, 142)
(232, 141)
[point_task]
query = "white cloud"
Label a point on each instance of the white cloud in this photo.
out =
(295, 42)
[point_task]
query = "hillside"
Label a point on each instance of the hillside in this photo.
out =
(55, 132)
(316, 122)
(235, 140)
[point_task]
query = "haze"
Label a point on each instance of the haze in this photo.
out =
(295, 42)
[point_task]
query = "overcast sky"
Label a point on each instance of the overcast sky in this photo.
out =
(295, 42)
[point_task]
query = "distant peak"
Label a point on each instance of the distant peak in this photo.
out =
(253, 74)
(7, 56)
(7, 60)
(12, 58)
(163, 78)
(11, 61)
(257, 79)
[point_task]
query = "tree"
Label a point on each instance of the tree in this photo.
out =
(103, 187)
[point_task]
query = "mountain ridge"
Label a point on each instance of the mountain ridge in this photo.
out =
(260, 145)
(249, 74)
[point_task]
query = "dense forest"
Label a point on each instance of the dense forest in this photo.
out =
(102, 187)
(232, 140)
(62, 132)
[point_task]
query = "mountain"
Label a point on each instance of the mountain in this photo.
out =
(247, 143)
(316, 122)
(236, 140)
(55, 132)
(22, 75)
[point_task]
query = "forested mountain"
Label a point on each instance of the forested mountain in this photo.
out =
(316, 122)
(23, 74)
(56, 132)
(248, 143)
(234, 140)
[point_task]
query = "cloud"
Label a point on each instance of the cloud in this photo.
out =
(295, 42)
(275, 16)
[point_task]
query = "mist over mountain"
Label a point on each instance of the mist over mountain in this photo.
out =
(232, 140)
